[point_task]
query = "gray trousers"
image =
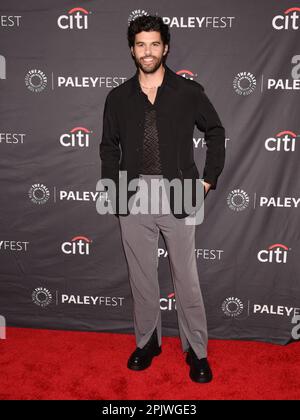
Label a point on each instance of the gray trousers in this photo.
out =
(140, 236)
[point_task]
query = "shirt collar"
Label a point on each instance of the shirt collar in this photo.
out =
(169, 79)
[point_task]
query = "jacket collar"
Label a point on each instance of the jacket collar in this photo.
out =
(168, 80)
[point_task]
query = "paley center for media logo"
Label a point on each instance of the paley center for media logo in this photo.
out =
(234, 307)
(238, 200)
(36, 80)
(40, 194)
(43, 297)
(244, 83)
(136, 13)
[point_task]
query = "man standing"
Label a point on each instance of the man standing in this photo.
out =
(152, 117)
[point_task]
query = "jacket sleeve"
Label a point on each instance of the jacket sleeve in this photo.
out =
(208, 121)
(109, 147)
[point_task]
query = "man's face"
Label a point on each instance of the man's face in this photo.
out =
(148, 51)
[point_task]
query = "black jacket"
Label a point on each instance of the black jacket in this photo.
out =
(181, 104)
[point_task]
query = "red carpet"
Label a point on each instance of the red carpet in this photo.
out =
(44, 364)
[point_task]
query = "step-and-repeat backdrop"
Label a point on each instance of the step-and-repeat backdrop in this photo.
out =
(62, 265)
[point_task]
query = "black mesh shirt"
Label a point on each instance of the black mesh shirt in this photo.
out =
(151, 162)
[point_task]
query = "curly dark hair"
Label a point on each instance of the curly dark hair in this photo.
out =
(148, 23)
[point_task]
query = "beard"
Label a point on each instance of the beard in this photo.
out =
(149, 68)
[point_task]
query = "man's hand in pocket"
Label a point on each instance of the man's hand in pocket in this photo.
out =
(206, 186)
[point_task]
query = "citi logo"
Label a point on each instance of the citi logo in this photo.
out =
(78, 245)
(289, 19)
(187, 74)
(168, 303)
(285, 141)
(276, 253)
(78, 137)
(77, 18)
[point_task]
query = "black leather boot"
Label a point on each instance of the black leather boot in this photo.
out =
(141, 358)
(200, 370)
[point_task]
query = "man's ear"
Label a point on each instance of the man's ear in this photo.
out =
(131, 49)
(166, 49)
